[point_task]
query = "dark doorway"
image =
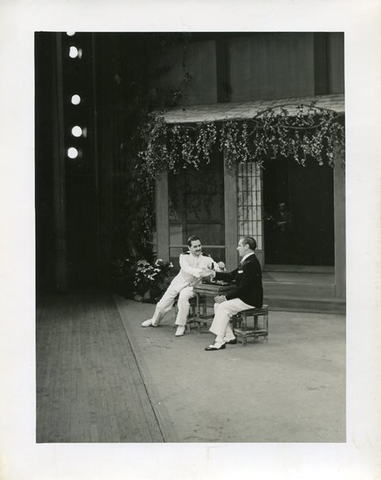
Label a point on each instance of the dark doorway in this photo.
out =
(298, 212)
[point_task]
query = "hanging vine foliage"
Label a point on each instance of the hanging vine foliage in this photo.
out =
(306, 132)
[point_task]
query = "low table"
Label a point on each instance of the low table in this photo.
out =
(242, 326)
(204, 291)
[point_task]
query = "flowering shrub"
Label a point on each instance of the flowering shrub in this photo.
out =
(151, 281)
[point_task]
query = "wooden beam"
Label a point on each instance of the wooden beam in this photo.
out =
(162, 216)
(339, 215)
(231, 221)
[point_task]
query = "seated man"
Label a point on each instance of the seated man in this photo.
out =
(193, 267)
(247, 294)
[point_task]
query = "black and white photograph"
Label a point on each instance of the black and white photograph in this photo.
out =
(164, 161)
(191, 219)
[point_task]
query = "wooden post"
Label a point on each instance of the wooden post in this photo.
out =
(162, 216)
(339, 214)
(231, 221)
(61, 264)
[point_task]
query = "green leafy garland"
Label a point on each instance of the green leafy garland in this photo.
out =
(309, 132)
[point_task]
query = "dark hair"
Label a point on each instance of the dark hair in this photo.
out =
(191, 239)
(250, 241)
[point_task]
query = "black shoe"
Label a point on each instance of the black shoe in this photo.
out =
(232, 342)
(212, 348)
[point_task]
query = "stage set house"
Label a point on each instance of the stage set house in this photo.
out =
(296, 212)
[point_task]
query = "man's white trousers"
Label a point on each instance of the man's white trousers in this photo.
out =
(167, 301)
(223, 312)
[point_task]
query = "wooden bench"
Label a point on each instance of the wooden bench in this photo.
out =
(253, 322)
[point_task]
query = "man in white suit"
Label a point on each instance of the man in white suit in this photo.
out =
(194, 266)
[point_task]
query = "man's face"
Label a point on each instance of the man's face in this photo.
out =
(242, 248)
(195, 248)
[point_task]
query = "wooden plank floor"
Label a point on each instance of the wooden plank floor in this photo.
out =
(89, 386)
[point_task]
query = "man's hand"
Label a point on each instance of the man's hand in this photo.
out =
(221, 266)
(220, 299)
(206, 273)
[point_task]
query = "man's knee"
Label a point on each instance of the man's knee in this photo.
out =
(186, 295)
(225, 308)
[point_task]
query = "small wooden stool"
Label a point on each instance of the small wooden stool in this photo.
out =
(259, 328)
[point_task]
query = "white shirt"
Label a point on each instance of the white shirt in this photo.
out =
(190, 270)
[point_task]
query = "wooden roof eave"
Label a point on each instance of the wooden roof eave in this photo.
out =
(248, 111)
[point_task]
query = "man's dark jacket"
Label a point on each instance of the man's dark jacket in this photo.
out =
(248, 280)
